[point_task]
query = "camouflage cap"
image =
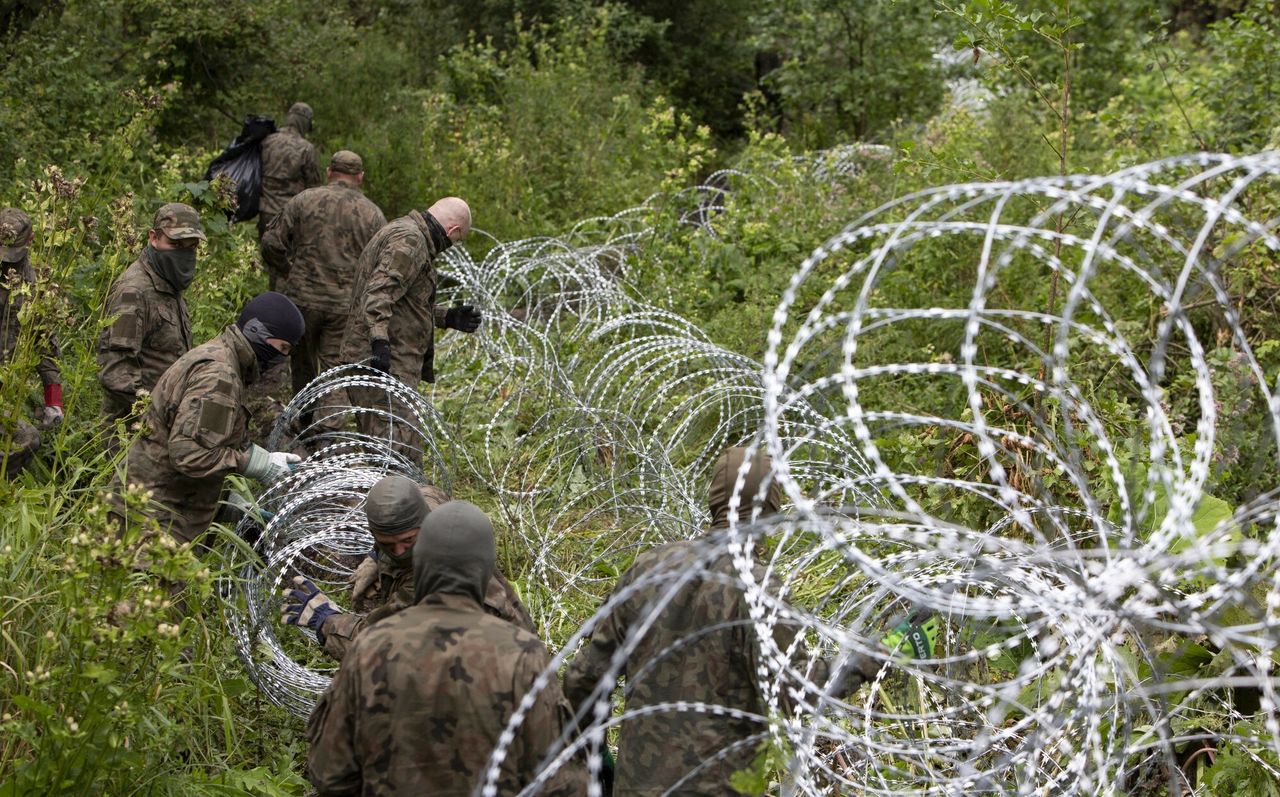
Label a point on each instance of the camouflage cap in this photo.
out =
(347, 162)
(178, 221)
(15, 234)
(301, 109)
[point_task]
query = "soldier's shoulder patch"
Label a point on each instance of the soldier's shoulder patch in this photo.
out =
(217, 417)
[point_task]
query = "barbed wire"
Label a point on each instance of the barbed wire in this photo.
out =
(1016, 454)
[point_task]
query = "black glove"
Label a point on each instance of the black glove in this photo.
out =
(463, 317)
(382, 356)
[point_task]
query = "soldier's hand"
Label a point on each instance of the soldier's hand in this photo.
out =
(463, 317)
(267, 466)
(51, 417)
(381, 356)
(305, 605)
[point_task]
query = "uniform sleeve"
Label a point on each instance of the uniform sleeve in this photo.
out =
(48, 365)
(391, 277)
(311, 171)
(542, 728)
(120, 346)
(592, 662)
(332, 766)
(340, 631)
(501, 600)
(277, 242)
(205, 439)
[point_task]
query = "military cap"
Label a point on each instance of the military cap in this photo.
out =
(178, 221)
(15, 230)
(301, 109)
(347, 162)
(394, 506)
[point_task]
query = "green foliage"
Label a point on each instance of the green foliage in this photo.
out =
(849, 71)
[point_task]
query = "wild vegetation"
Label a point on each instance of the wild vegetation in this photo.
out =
(541, 113)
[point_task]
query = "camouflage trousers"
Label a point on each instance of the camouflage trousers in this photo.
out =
(19, 448)
(115, 408)
(320, 347)
(388, 421)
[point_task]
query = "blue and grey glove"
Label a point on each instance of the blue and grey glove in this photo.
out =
(307, 606)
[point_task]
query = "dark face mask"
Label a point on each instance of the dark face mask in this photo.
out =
(176, 266)
(403, 560)
(439, 239)
(257, 333)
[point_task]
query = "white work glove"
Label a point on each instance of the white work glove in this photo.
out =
(51, 417)
(267, 466)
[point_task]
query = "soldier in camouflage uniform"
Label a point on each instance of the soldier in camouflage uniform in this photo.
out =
(314, 243)
(423, 696)
(394, 314)
(289, 167)
(19, 439)
(383, 582)
(700, 648)
(152, 327)
(197, 426)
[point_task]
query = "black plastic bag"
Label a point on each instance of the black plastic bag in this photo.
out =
(242, 162)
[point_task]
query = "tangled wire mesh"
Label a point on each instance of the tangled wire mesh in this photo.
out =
(1017, 457)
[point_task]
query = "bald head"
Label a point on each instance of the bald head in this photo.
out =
(454, 215)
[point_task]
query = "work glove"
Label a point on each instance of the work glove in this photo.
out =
(916, 633)
(52, 415)
(305, 605)
(462, 317)
(381, 356)
(267, 466)
(365, 576)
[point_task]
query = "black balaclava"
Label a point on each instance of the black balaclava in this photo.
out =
(395, 505)
(439, 239)
(175, 266)
(725, 475)
(270, 315)
(455, 553)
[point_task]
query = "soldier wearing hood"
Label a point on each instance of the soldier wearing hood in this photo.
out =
(383, 584)
(19, 439)
(289, 167)
(394, 313)
(700, 648)
(152, 327)
(197, 424)
(423, 697)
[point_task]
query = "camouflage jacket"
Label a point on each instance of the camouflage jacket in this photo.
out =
(420, 702)
(392, 592)
(196, 433)
(17, 283)
(700, 648)
(394, 298)
(288, 168)
(315, 242)
(151, 331)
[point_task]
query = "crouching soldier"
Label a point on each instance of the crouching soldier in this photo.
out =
(424, 696)
(382, 585)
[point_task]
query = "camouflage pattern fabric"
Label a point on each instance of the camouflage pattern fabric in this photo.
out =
(423, 697)
(196, 433)
(288, 168)
(152, 329)
(388, 589)
(393, 593)
(420, 701)
(393, 299)
(315, 243)
(17, 447)
(17, 283)
(700, 648)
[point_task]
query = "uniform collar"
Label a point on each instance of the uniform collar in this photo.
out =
(245, 358)
(452, 601)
